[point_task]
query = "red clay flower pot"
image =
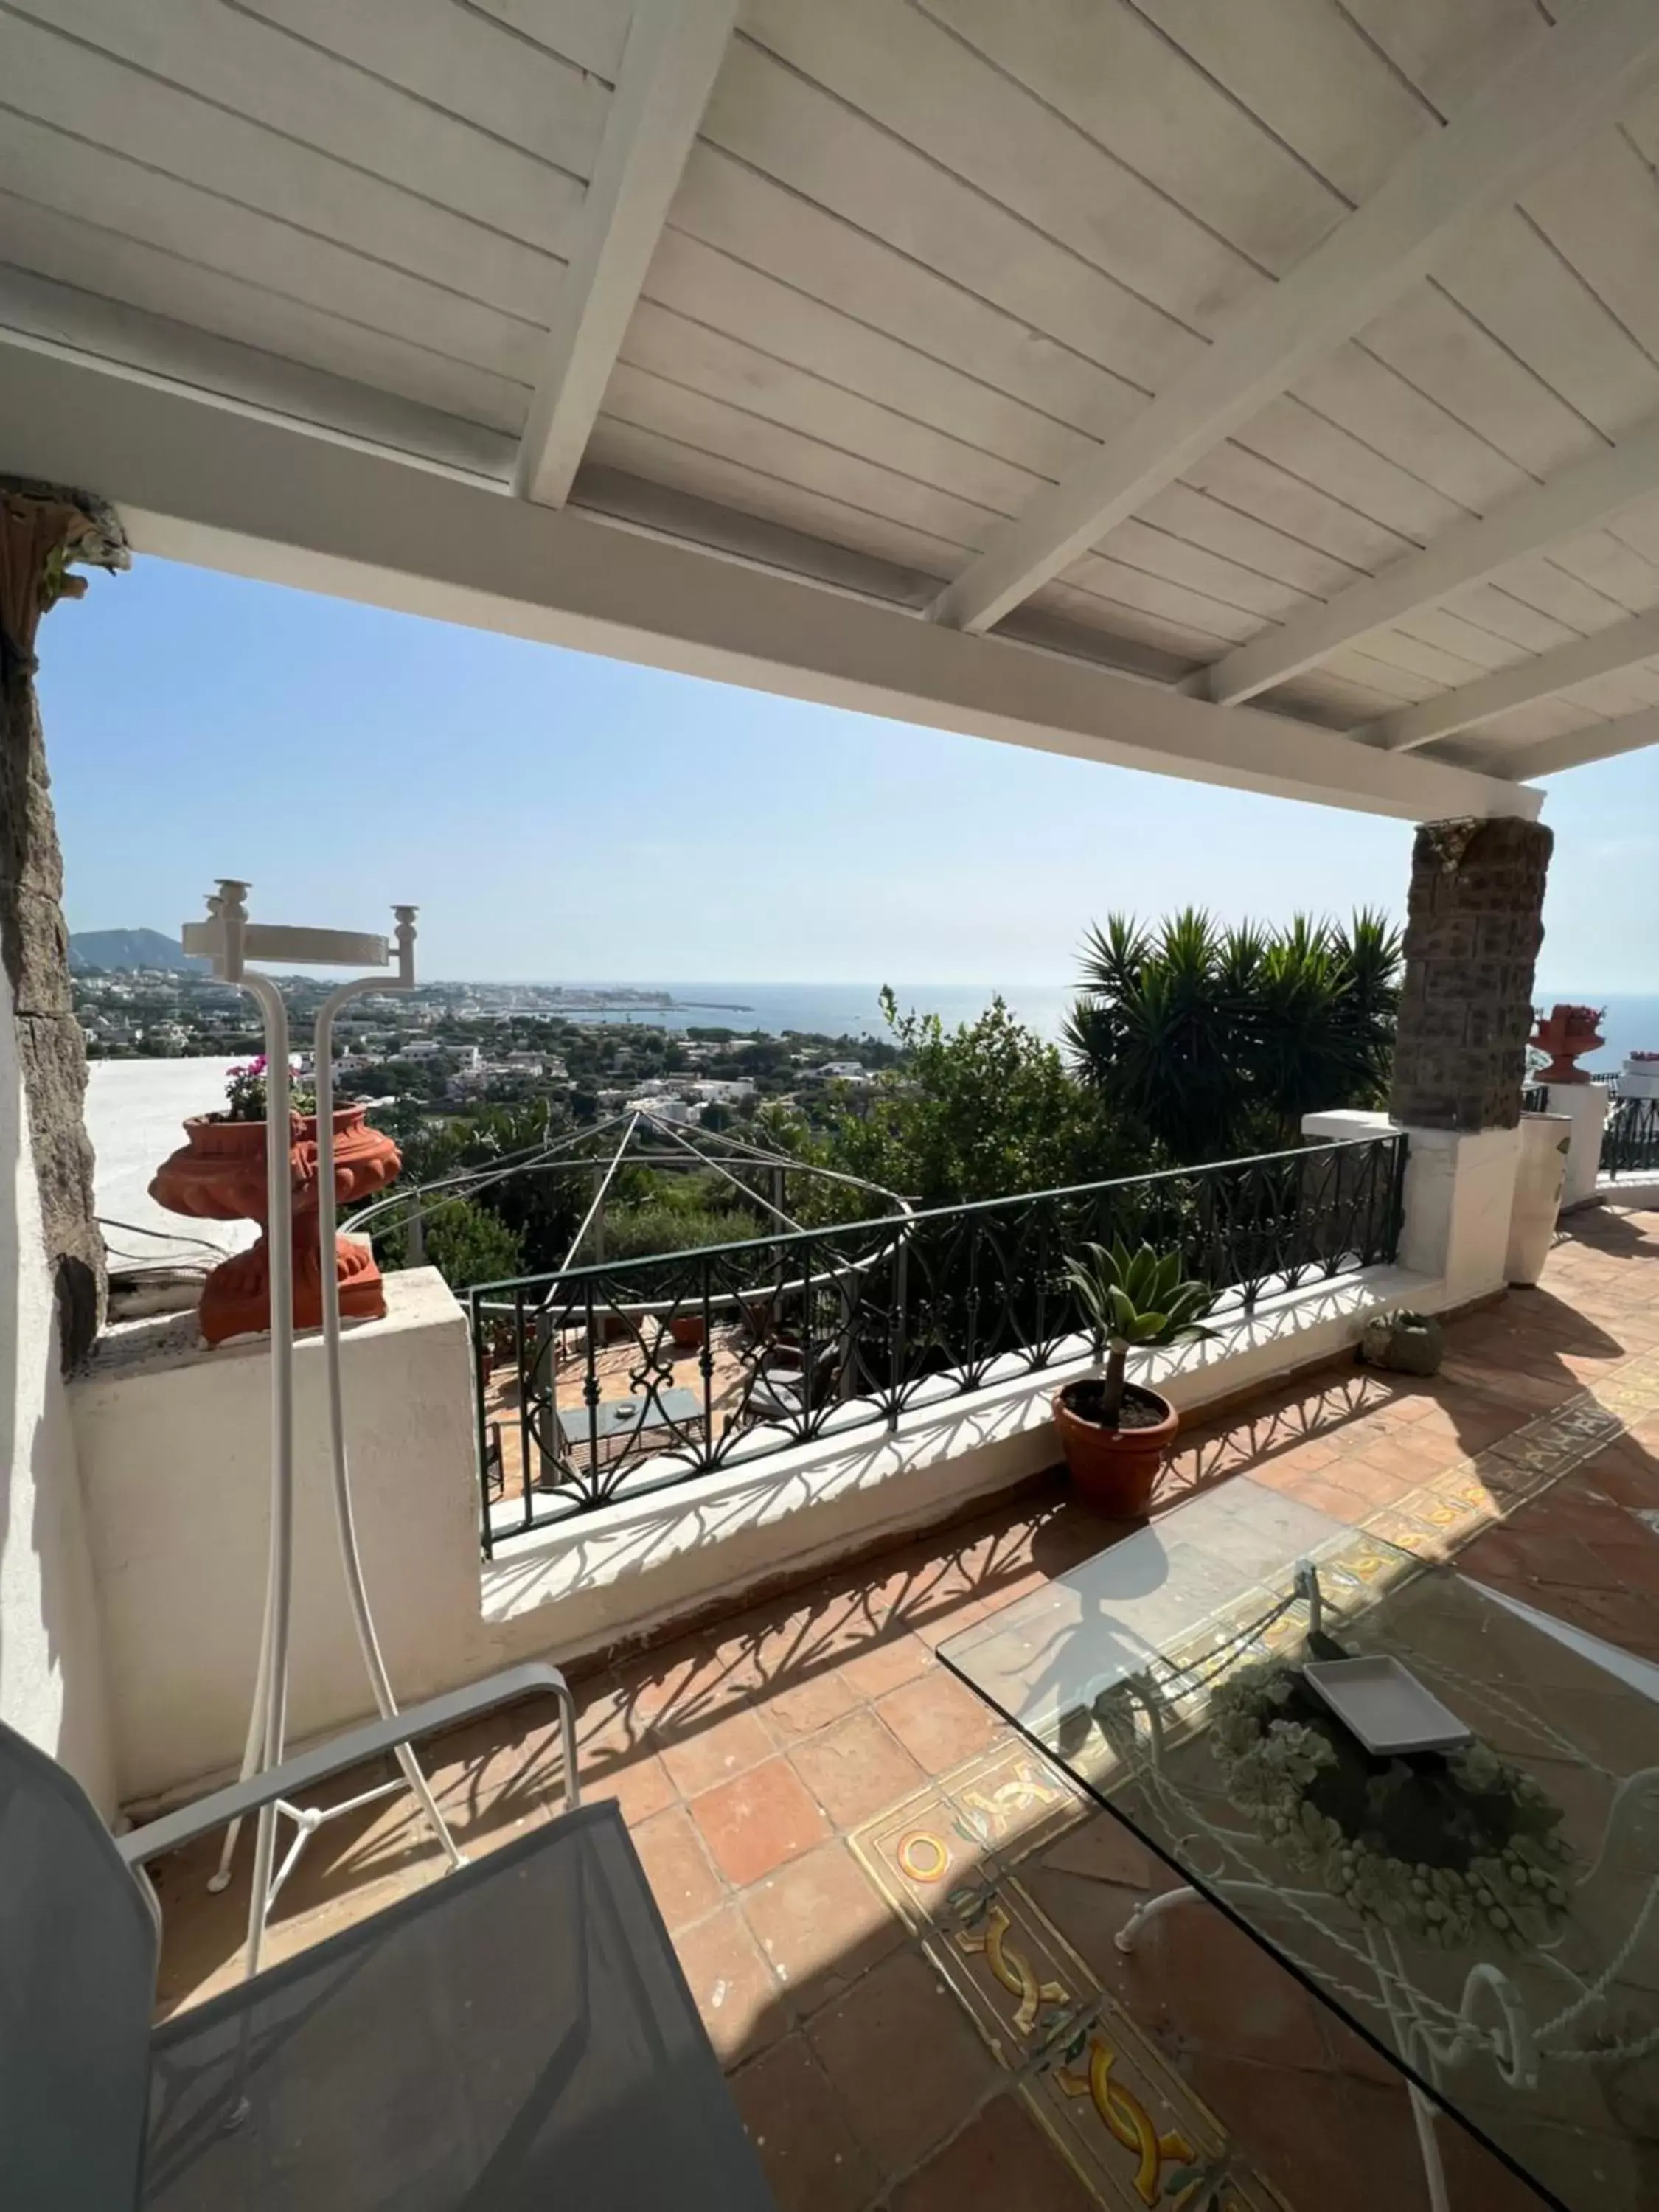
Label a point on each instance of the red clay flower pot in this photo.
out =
(1116, 1470)
(219, 1175)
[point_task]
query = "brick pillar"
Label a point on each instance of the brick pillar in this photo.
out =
(1474, 925)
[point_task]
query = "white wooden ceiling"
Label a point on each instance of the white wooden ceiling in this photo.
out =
(923, 259)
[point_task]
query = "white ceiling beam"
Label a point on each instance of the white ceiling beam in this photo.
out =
(1621, 646)
(1595, 741)
(1468, 553)
(1559, 86)
(222, 488)
(673, 54)
(53, 318)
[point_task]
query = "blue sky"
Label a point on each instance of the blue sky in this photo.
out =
(559, 816)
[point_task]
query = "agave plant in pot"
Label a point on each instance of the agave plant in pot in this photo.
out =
(1115, 1432)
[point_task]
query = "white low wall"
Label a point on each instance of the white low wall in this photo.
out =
(643, 1563)
(1586, 1105)
(175, 1443)
(1457, 1203)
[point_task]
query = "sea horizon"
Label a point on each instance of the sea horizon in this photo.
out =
(854, 1008)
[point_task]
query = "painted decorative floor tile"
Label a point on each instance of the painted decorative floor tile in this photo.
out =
(1126, 2122)
(946, 1859)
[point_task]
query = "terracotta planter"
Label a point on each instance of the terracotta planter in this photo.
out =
(219, 1175)
(1115, 1469)
(687, 1331)
(1567, 1033)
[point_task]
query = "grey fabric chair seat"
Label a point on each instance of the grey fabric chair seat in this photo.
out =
(515, 2034)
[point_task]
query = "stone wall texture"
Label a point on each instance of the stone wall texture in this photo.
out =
(43, 528)
(1473, 927)
(34, 947)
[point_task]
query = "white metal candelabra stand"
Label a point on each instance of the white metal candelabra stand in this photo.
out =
(230, 940)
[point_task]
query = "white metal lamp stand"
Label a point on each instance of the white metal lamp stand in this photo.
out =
(230, 940)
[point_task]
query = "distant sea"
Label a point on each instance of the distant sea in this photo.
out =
(854, 1008)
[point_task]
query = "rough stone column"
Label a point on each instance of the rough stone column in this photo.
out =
(1474, 925)
(43, 528)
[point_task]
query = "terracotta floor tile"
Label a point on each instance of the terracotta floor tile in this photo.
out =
(938, 1720)
(1309, 1454)
(703, 1756)
(1479, 1422)
(1626, 1475)
(1001, 2162)
(641, 1787)
(755, 1823)
(1326, 1494)
(905, 2059)
(898, 1658)
(856, 1769)
(1418, 1457)
(811, 2160)
(733, 1984)
(1374, 1486)
(1102, 1848)
(1297, 2126)
(809, 1705)
(822, 1922)
(677, 1866)
(673, 1686)
(1197, 1979)
(1089, 1912)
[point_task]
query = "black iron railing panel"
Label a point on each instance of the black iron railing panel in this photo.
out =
(1630, 1141)
(611, 1380)
(1534, 1098)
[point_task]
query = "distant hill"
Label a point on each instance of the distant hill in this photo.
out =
(133, 948)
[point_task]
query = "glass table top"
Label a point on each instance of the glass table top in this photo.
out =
(1488, 1916)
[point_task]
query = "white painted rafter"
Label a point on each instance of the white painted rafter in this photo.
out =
(1594, 741)
(1573, 500)
(1621, 646)
(198, 482)
(1559, 86)
(673, 54)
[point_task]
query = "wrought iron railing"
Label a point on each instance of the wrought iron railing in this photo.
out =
(1534, 1098)
(607, 1382)
(1630, 1141)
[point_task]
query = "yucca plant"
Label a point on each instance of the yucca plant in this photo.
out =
(1134, 1300)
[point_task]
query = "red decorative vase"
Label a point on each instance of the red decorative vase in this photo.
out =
(1567, 1033)
(219, 1175)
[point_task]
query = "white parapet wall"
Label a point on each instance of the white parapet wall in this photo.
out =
(1586, 1106)
(644, 1563)
(175, 1443)
(1457, 1203)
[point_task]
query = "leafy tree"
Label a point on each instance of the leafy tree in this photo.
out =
(466, 1243)
(641, 1232)
(1214, 1041)
(983, 1111)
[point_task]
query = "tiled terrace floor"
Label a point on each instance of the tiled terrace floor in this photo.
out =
(777, 1771)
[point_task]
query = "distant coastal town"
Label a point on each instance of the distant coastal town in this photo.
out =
(590, 1050)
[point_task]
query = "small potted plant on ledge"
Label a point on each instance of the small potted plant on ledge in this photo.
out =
(1115, 1432)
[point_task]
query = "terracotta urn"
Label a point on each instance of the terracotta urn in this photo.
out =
(1116, 1470)
(1567, 1033)
(219, 1175)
